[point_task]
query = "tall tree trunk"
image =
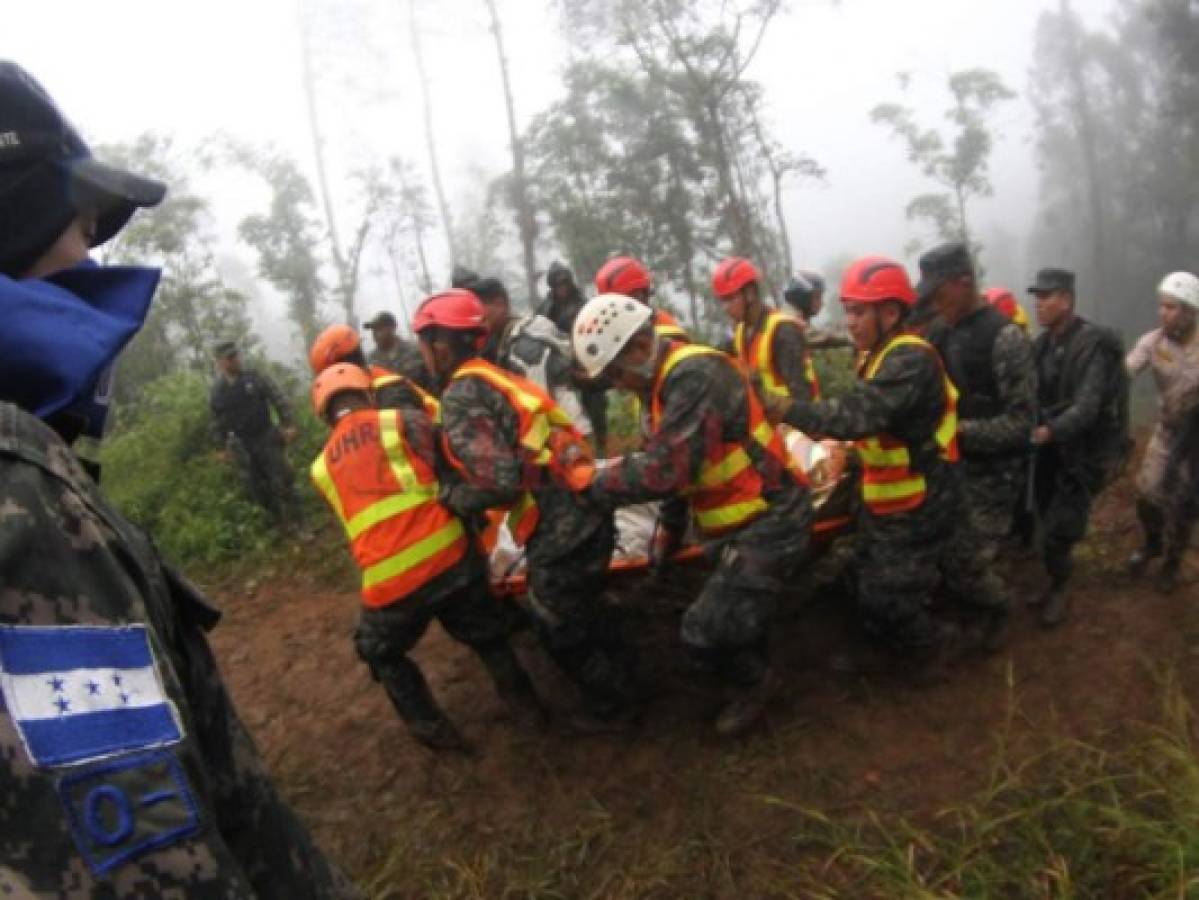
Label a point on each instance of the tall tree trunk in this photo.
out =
(418, 234)
(345, 288)
(526, 218)
(1084, 122)
(399, 284)
(742, 234)
(443, 207)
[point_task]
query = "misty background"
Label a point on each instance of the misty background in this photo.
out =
(304, 169)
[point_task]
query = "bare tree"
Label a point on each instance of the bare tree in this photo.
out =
(526, 216)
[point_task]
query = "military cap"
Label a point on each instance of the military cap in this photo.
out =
(381, 320)
(1050, 280)
(224, 348)
(941, 263)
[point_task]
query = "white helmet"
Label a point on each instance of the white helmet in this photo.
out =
(1183, 287)
(602, 328)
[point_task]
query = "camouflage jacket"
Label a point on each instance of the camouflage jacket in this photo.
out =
(1077, 374)
(991, 364)
(704, 401)
(789, 352)
(124, 769)
(404, 359)
(562, 312)
(241, 406)
(480, 430)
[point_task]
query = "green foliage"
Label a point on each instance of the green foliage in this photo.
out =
(835, 369)
(162, 471)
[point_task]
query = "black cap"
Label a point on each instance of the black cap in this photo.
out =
(462, 277)
(382, 319)
(224, 348)
(557, 273)
(48, 176)
(941, 263)
(1050, 280)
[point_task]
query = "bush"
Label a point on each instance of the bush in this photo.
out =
(161, 470)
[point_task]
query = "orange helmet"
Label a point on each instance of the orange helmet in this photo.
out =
(332, 345)
(334, 380)
(732, 274)
(1002, 299)
(621, 275)
(875, 279)
(456, 309)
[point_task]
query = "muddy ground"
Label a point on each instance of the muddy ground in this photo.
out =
(647, 807)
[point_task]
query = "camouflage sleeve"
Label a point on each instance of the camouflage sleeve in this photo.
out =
(872, 407)
(1089, 397)
(481, 432)
(1016, 377)
(674, 453)
(788, 353)
(277, 399)
(412, 364)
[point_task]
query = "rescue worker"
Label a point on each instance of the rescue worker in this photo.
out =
(168, 796)
(242, 401)
(989, 360)
(1080, 438)
(1005, 301)
(710, 448)
(514, 448)
(562, 304)
(377, 473)
(902, 416)
(805, 294)
(531, 346)
(770, 344)
(626, 275)
(341, 344)
(1172, 352)
(392, 352)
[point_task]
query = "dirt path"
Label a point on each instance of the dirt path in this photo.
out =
(671, 797)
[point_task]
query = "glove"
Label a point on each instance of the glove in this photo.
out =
(665, 544)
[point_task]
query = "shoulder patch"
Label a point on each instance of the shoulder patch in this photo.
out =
(79, 694)
(128, 807)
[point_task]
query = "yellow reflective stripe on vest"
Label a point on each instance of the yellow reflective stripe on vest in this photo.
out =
(948, 428)
(385, 509)
(875, 454)
(519, 509)
(393, 446)
(686, 351)
(324, 483)
(730, 515)
(893, 490)
(411, 557)
(764, 433)
(715, 474)
(901, 340)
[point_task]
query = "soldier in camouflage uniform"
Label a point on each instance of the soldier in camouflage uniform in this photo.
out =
(393, 353)
(124, 769)
(241, 402)
(341, 344)
(710, 452)
(990, 361)
(901, 416)
(506, 439)
(1082, 438)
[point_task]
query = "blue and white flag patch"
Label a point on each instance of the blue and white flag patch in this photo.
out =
(82, 693)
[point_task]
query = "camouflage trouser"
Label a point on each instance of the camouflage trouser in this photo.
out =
(1064, 495)
(268, 476)
(461, 600)
(727, 627)
(991, 493)
(575, 624)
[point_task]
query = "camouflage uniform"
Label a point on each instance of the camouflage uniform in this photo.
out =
(901, 556)
(241, 422)
(594, 397)
(567, 555)
(403, 358)
(789, 353)
(704, 399)
(1076, 375)
(990, 361)
(191, 816)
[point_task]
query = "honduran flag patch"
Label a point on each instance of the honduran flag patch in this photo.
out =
(82, 693)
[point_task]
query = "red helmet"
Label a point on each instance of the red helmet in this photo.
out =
(334, 380)
(621, 275)
(332, 345)
(456, 309)
(874, 279)
(732, 274)
(1002, 299)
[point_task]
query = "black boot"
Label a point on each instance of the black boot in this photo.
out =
(748, 705)
(410, 695)
(513, 685)
(1153, 525)
(1055, 604)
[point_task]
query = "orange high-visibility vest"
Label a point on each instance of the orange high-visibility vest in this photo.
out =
(888, 483)
(381, 378)
(668, 327)
(759, 355)
(727, 493)
(386, 498)
(548, 440)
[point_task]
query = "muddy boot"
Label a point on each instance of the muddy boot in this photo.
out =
(748, 705)
(513, 685)
(1153, 525)
(1055, 605)
(440, 734)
